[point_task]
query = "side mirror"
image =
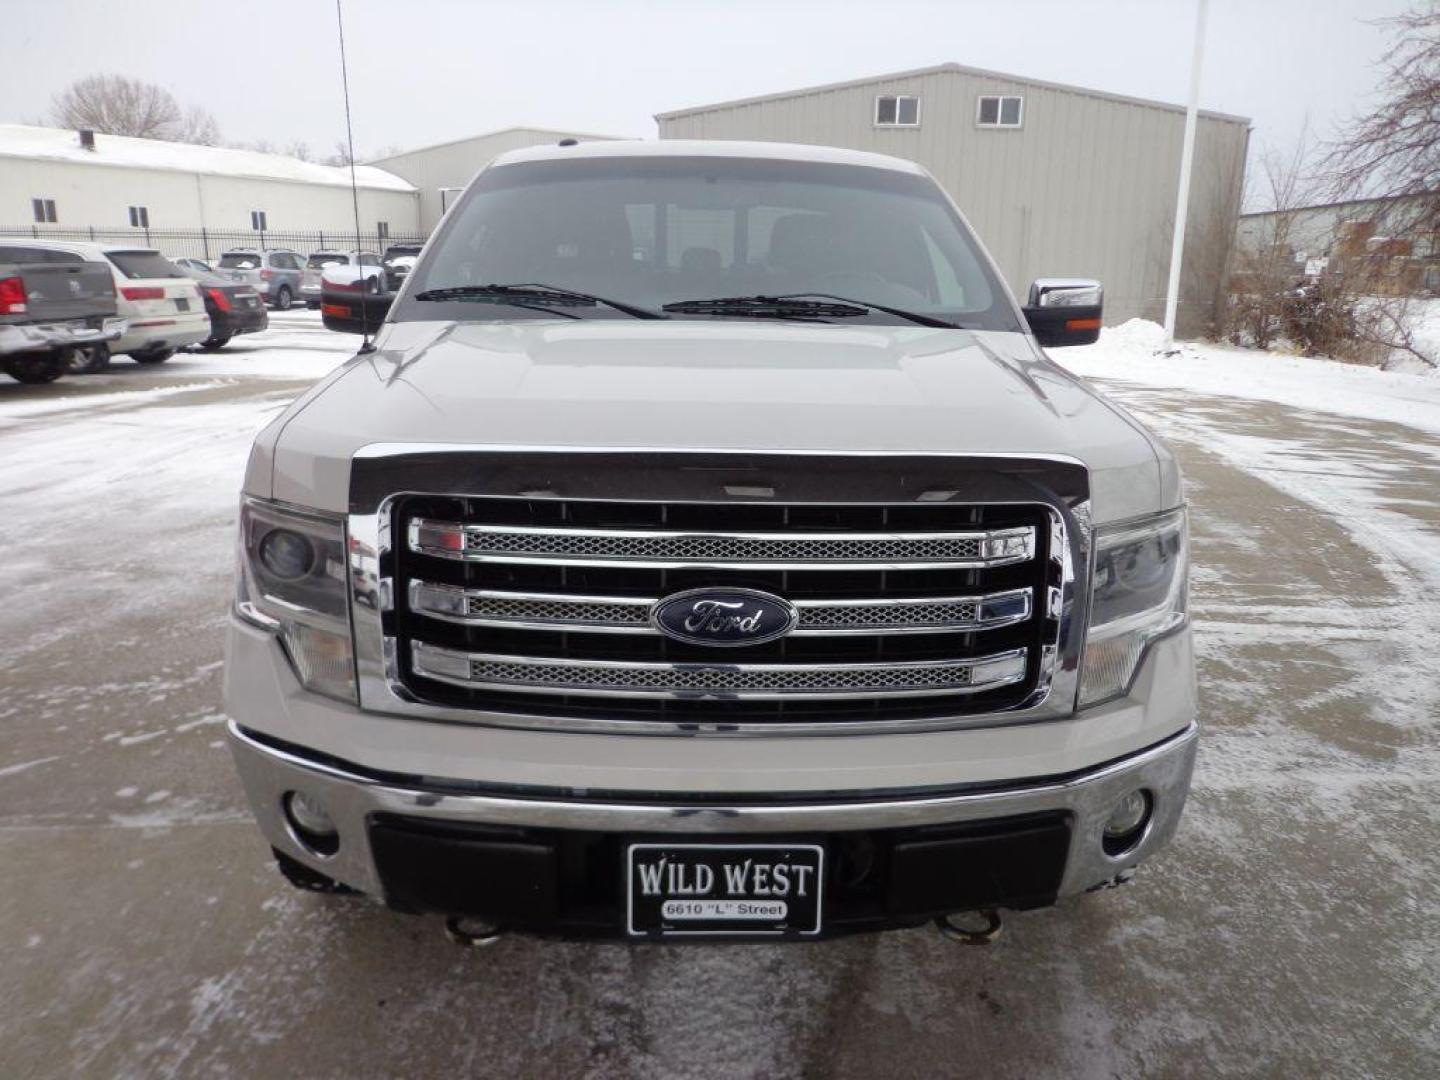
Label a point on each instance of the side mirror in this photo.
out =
(347, 305)
(1065, 311)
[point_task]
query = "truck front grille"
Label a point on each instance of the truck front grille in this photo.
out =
(543, 606)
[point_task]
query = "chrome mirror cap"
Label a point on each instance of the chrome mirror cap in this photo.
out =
(1066, 292)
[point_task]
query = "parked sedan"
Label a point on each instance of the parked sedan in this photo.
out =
(366, 262)
(233, 306)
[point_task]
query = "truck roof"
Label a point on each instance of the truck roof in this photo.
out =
(771, 151)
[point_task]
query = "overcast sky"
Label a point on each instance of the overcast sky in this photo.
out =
(425, 71)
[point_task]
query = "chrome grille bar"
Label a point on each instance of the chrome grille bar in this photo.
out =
(725, 682)
(664, 549)
(631, 615)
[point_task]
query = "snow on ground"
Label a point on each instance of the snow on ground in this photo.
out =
(297, 346)
(1424, 318)
(1327, 451)
(1131, 352)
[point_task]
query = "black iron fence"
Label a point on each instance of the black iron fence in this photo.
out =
(207, 244)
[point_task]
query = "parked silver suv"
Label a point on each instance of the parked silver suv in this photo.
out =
(275, 273)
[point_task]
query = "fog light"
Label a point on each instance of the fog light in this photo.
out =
(1126, 822)
(311, 823)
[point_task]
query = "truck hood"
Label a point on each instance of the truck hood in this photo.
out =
(708, 385)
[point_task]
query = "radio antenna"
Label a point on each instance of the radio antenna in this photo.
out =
(365, 345)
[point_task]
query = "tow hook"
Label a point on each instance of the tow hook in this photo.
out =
(474, 933)
(952, 926)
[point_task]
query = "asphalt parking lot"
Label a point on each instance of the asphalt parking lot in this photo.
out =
(1293, 929)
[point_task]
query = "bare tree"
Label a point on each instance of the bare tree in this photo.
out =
(300, 150)
(116, 105)
(1264, 270)
(1395, 151)
(198, 126)
(1210, 244)
(341, 156)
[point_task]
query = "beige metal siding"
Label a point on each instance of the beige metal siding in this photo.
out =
(1085, 188)
(100, 194)
(454, 164)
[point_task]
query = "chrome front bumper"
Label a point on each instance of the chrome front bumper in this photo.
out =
(352, 798)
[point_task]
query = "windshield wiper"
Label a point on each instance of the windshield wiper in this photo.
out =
(798, 305)
(531, 293)
(765, 307)
(899, 313)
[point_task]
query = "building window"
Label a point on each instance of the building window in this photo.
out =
(382, 230)
(897, 110)
(999, 112)
(257, 220)
(44, 210)
(139, 217)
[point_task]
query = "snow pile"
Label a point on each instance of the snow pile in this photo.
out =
(1425, 317)
(1131, 353)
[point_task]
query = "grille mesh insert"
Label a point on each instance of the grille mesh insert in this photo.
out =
(582, 612)
(961, 547)
(738, 679)
(879, 616)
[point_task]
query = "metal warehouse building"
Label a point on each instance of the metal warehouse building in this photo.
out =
(441, 171)
(1057, 180)
(59, 180)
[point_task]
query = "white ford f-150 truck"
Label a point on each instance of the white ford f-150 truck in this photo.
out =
(706, 546)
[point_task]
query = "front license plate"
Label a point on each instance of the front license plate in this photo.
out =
(678, 890)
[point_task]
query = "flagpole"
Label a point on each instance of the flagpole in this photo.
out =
(1187, 157)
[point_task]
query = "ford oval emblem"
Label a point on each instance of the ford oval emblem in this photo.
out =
(724, 617)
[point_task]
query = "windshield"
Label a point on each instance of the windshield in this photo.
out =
(240, 260)
(652, 231)
(144, 264)
(317, 262)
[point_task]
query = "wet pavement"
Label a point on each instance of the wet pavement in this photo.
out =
(1293, 929)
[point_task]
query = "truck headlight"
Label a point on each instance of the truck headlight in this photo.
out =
(292, 581)
(1138, 595)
